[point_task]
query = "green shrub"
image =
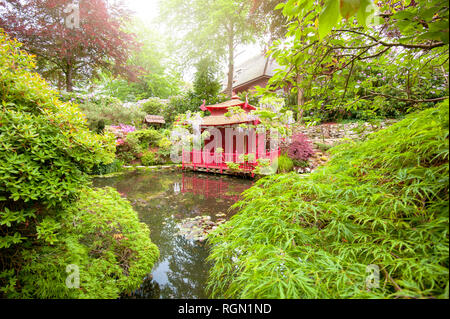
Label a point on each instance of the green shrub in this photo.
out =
(302, 164)
(46, 151)
(103, 169)
(111, 113)
(285, 164)
(381, 202)
(142, 139)
(45, 145)
(102, 236)
(233, 166)
(165, 147)
(323, 147)
(150, 158)
(154, 106)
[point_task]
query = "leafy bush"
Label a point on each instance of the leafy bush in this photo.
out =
(108, 110)
(300, 149)
(285, 164)
(103, 169)
(45, 145)
(46, 151)
(154, 106)
(144, 138)
(323, 147)
(233, 166)
(165, 147)
(102, 236)
(150, 158)
(93, 98)
(381, 202)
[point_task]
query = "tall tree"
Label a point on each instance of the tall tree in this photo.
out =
(206, 84)
(272, 21)
(157, 76)
(71, 39)
(210, 28)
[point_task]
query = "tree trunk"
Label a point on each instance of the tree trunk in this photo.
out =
(300, 98)
(229, 90)
(69, 77)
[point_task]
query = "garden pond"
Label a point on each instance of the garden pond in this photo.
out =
(180, 208)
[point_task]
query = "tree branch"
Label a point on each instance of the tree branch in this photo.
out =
(404, 45)
(410, 100)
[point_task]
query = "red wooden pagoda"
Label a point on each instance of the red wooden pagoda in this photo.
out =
(228, 141)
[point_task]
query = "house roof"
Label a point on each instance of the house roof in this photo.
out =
(255, 68)
(150, 119)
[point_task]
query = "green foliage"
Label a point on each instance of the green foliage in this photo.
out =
(151, 146)
(141, 139)
(156, 77)
(165, 147)
(188, 102)
(345, 68)
(154, 106)
(285, 164)
(102, 236)
(233, 166)
(112, 114)
(206, 84)
(150, 158)
(322, 147)
(45, 145)
(100, 109)
(46, 151)
(224, 25)
(380, 202)
(104, 169)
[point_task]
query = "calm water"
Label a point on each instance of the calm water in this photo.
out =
(163, 201)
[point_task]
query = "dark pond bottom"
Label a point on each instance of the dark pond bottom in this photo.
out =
(168, 202)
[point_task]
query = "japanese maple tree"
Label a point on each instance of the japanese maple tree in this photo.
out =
(72, 40)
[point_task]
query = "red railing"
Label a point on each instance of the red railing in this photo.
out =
(206, 159)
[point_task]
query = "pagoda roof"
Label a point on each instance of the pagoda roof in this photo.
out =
(226, 104)
(221, 120)
(230, 103)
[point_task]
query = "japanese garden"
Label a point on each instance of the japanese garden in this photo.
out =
(224, 149)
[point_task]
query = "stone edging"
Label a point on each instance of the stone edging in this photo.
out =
(153, 168)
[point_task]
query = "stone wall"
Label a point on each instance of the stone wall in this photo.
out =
(333, 133)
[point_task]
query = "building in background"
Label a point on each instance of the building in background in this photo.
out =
(254, 72)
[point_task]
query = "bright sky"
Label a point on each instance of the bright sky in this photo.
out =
(147, 11)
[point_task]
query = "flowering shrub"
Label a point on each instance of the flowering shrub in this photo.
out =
(121, 131)
(125, 129)
(301, 148)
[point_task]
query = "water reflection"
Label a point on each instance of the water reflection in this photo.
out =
(163, 200)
